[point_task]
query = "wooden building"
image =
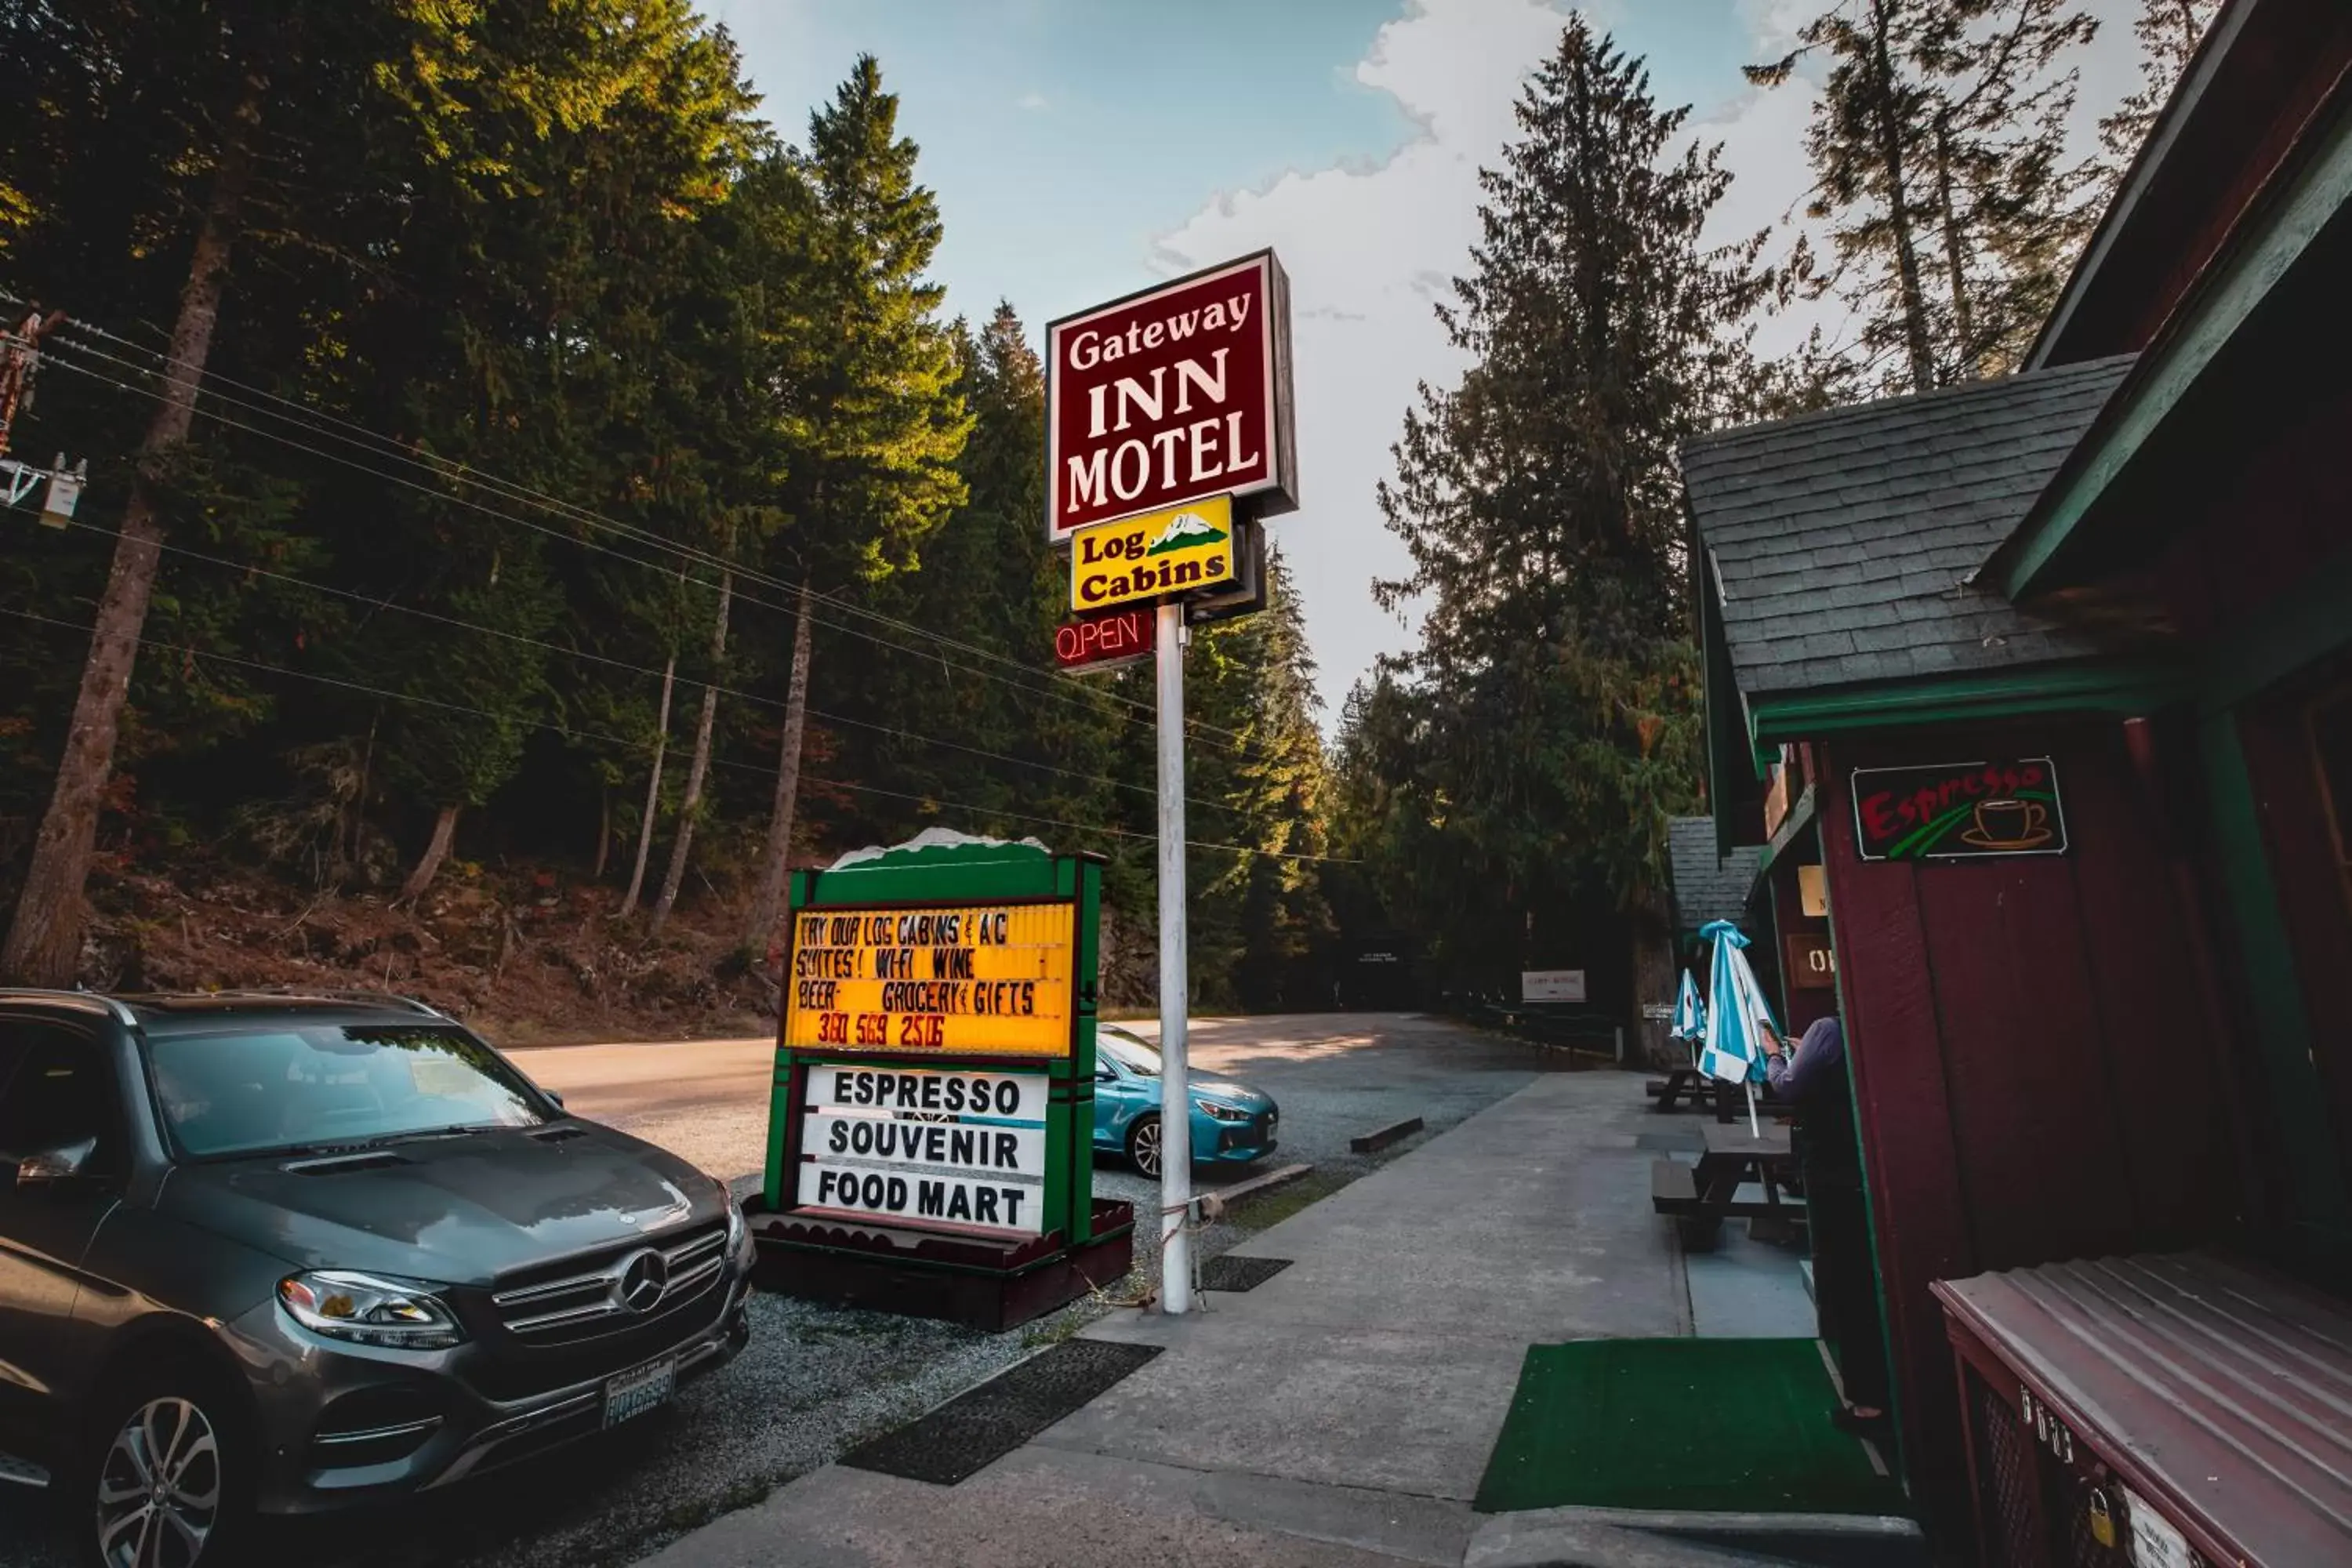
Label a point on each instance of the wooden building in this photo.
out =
(2037, 693)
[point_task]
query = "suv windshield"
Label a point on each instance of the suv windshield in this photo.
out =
(296, 1087)
(1127, 1051)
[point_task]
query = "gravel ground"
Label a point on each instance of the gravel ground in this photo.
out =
(817, 1380)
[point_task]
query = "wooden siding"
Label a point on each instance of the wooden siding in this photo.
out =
(2036, 1074)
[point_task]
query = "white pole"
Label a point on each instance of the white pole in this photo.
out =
(1753, 1131)
(1175, 1080)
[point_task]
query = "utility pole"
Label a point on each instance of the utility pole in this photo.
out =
(1175, 1078)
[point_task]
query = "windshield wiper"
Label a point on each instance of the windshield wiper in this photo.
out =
(458, 1129)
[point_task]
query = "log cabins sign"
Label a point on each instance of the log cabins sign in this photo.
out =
(1959, 811)
(1171, 396)
(1145, 559)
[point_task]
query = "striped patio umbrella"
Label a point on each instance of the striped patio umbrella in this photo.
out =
(1690, 1016)
(1737, 1015)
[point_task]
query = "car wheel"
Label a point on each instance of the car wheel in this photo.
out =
(1143, 1146)
(165, 1480)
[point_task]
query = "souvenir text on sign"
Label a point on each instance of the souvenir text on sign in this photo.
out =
(1106, 639)
(1170, 395)
(952, 1146)
(1959, 811)
(1147, 558)
(972, 980)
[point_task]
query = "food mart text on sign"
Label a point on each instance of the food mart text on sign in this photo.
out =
(1171, 395)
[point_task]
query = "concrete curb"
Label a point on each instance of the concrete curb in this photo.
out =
(1627, 1538)
(1212, 1205)
(1393, 1133)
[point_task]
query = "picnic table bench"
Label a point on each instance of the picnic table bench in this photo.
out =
(1687, 1089)
(1700, 1197)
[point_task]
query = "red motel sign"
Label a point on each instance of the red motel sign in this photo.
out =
(1172, 396)
(1104, 639)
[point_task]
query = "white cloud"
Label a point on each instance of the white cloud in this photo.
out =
(1031, 100)
(1368, 250)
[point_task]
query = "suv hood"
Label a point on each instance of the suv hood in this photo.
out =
(456, 1210)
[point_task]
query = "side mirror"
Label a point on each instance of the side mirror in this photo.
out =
(554, 1097)
(51, 1166)
(1104, 1075)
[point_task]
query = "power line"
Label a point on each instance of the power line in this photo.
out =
(1064, 697)
(931, 801)
(380, 445)
(646, 670)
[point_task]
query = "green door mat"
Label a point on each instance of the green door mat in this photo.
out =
(1707, 1426)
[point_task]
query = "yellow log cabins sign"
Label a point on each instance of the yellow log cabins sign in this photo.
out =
(1151, 556)
(952, 980)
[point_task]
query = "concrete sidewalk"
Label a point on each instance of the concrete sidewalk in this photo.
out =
(1343, 1412)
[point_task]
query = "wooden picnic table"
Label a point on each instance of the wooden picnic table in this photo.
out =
(1682, 1089)
(1701, 1197)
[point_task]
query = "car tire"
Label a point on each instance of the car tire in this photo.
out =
(164, 1475)
(1143, 1146)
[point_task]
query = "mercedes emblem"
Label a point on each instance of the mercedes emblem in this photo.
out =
(644, 1281)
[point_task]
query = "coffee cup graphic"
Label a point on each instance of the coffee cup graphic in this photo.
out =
(2009, 824)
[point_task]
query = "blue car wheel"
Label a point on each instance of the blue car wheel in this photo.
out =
(1143, 1144)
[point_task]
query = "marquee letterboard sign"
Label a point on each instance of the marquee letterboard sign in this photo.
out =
(1959, 811)
(933, 979)
(1172, 396)
(935, 1061)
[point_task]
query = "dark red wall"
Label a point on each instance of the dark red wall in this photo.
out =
(2037, 1074)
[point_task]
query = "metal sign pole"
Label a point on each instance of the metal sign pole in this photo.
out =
(1175, 1087)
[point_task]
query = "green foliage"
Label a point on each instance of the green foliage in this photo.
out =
(556, 320)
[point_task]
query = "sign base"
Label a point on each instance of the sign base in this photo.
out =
(986, 1282)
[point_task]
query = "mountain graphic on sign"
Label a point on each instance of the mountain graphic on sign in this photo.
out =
(1184, 531)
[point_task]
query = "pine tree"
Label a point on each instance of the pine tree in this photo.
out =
(1939, 152)
(2169, 33)
(1549, 713)
(881, 425)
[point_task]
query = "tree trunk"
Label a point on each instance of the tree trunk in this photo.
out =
(1899, 218)
(653, 793)
(1964, 329)
(692, 803)
(776, 861)
(44, 944)
(604, 829)
(429, 866)
(1653, 978)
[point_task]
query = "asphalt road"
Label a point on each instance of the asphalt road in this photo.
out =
(816, 1380)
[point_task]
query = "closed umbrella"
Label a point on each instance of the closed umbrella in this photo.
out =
(1690, 1016)
(1736, 1015)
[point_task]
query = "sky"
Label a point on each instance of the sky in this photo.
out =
(1083, 149)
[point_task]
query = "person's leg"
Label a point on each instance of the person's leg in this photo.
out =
(1845, 1290)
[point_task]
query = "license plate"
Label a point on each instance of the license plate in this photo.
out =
(634, 1392)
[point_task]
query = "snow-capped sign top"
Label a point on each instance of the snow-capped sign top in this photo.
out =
(933, 838)
(1172, 396)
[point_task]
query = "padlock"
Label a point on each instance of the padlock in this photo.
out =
(2102, 1519)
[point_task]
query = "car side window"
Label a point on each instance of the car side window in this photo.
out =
(55, 1090)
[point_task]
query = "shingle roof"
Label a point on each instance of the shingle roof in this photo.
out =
(1705, 887)
(1841, 539)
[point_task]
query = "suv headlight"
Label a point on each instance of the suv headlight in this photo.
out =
(369, 1310)
(736, 1231)
(1221, 1113)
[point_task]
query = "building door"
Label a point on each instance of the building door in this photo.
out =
(2298, 743)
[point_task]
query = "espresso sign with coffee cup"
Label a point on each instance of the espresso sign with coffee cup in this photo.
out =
(1959, 811)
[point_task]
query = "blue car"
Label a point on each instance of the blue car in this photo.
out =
(1230, 1125)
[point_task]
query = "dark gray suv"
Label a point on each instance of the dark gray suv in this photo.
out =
(278, 1254)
